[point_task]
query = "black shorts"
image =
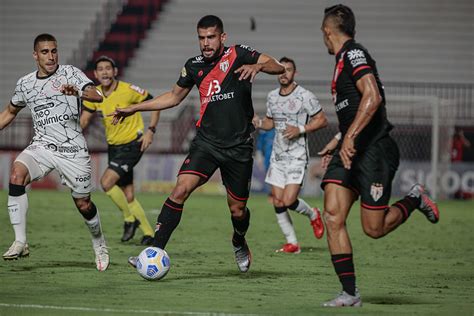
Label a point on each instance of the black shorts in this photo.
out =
(235, 164)
(371, 174)
(122, 159)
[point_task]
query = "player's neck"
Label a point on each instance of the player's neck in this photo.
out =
(339, 43)
(288, 89)
(109, 89)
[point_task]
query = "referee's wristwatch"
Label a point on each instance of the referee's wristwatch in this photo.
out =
(152, 128)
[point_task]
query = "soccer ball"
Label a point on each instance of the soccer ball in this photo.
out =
(153, 263)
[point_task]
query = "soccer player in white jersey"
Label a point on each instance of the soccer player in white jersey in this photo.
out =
(52, 94)
(294, 112)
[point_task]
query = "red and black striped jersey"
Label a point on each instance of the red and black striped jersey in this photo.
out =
(225, 118)
(353, 61)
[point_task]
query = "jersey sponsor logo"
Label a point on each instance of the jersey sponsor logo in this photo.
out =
(217, 97)
(342, 105)
(83, 178)
(43, 119)
(227, 52)
(355, 53)
(376, 191)
(43, 107)
(138, 89)
(357, 57)
(124, 168)
(198, 60)
(250, 49)
(64, 149)
(224, 65)
(183, 72)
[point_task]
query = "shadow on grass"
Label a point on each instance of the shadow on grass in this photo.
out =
(53, 264)
(393, 300)
(218, 274)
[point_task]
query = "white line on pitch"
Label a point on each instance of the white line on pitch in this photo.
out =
(111, 310)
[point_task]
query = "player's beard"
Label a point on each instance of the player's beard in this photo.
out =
(286, 84)
(216, 54)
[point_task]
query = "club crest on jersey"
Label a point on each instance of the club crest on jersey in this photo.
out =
(376, 191)
(56, 85)
(224, 65)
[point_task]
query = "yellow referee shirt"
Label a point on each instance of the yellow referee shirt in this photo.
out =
(124, 95)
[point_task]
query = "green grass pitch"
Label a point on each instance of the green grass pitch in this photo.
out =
(420, 268)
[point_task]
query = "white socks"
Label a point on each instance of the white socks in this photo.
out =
(94, 226)
(305, 209)
(286, 225)
(17, 209)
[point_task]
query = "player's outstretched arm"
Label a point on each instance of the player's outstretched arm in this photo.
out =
(8, 115)
(151, 130)
(164, 101)
(265, 63)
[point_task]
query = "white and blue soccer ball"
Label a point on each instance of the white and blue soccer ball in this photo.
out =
(153, 263)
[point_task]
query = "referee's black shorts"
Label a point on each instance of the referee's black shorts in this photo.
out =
(122, 159)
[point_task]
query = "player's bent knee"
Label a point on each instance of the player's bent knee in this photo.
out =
(237, 210)
(374, 233)
(18, 176)
(277, 202)
(179, 194)
(83, 204)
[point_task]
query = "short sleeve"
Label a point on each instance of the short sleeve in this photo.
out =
(311, 104)
(90, 106)
(185, 80)
(269, 106)
(79, 79)
(356, 60)
(247, 54)
(18, 98)
(138, 94)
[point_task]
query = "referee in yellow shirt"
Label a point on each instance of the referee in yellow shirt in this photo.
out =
(127, 142)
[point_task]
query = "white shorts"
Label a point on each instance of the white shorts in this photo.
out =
(75, 172)
(282, 173)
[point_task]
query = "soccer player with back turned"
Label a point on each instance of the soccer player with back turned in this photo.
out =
(127, 143)
(224, 78)
(366, 157)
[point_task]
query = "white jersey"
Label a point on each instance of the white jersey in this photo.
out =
(293, 109)
(55, 115)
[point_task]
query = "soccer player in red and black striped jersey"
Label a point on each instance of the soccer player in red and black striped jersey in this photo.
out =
(224, 78)
(366, 158)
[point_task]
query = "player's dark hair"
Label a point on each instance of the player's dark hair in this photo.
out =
(211, 21)
(104, 58)
(285, 59)
(343, 18)
(45, 37)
